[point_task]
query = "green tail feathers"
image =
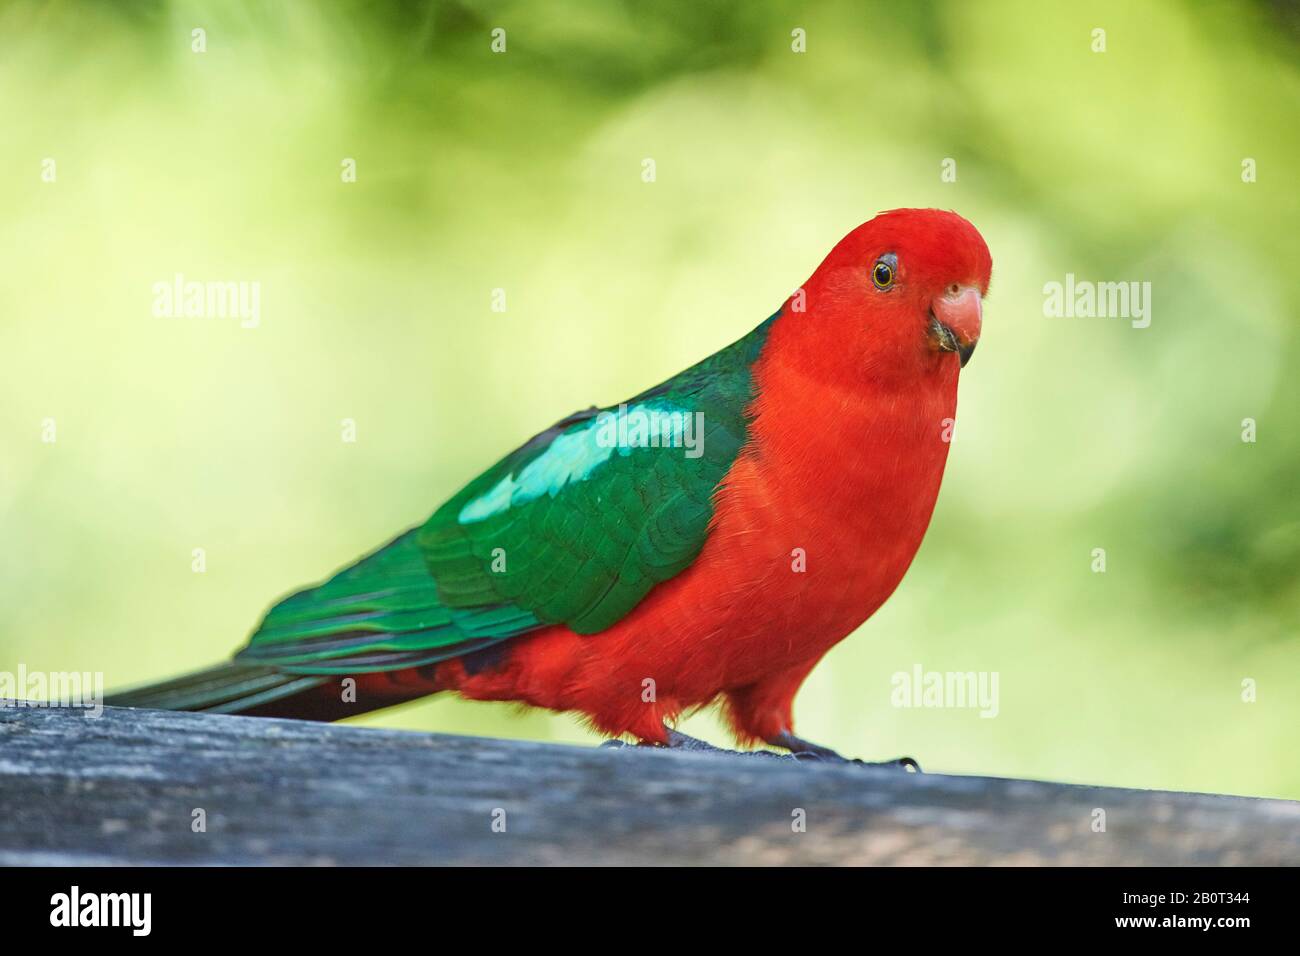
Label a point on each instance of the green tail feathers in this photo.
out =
(231, 688)
(380, 614)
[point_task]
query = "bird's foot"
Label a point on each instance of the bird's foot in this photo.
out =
(676, 740)
(806, 750)
(800, 749)
(680, 741)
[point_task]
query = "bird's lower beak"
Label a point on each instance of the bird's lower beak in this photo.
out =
(955, 319)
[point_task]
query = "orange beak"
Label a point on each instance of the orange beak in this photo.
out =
(955, 319)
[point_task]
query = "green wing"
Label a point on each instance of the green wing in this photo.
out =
(574, 527)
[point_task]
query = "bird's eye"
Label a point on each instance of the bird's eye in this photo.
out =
(882, 274)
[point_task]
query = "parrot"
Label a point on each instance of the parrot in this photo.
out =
(706, 542)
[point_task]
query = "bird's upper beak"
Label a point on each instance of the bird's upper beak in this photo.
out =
(955, 319)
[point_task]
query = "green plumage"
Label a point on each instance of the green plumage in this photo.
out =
(565, 529)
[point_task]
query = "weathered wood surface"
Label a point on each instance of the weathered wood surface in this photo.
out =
(122, 789)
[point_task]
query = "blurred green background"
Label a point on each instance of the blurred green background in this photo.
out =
(523, 171)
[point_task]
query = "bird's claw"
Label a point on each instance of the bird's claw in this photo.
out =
(906, 764)
(805, 750)
(800, 750)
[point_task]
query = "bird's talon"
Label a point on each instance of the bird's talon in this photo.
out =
(905, 764)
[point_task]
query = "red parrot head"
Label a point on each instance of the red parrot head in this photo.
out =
(904, 290)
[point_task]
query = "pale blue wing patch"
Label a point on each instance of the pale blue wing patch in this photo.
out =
(575, 455)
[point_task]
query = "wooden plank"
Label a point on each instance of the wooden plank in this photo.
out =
(124, 788)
